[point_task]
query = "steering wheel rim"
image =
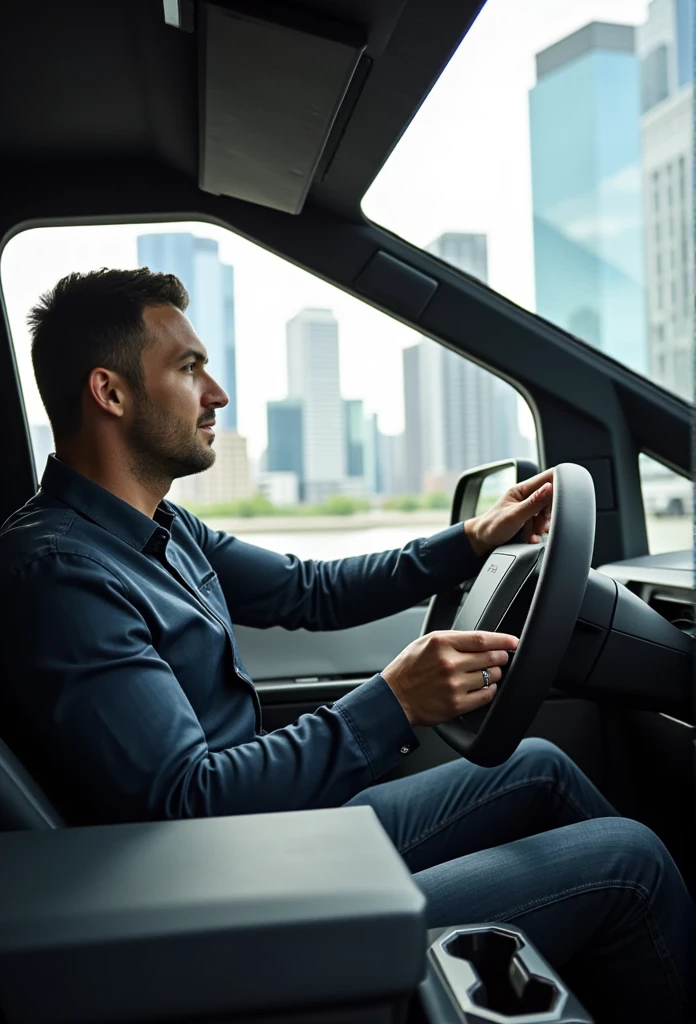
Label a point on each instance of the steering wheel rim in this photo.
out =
(488, 737)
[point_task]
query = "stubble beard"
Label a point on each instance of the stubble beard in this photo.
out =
(163, 448)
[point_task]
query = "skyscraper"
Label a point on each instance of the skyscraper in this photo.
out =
(355, 438)
(458, 415)
(373, 462)
(285, 445)
(467, 252)
(391, 460)
(662, 45)
(313, 380)
(586, 190)
(228, 479)
(210, 284)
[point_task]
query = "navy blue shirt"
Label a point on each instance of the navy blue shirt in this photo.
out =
(122, 681)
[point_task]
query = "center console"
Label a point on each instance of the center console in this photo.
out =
(309, 917)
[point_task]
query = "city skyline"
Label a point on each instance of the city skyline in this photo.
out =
(327, 442)
(457, 414)
(464, 161)
(381, 455)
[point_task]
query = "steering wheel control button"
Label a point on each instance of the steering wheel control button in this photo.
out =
(481, 594)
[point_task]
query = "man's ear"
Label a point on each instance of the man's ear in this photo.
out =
(106, 390)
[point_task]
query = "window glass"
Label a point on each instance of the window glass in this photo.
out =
(556, 141)
(668, 499)
(314, 454)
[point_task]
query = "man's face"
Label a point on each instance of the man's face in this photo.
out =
(169, 432)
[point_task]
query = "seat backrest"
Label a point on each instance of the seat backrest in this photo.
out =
(23, 804)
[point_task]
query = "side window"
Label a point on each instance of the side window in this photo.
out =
(668, 499)
(345, 430)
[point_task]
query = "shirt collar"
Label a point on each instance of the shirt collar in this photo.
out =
(103, 507)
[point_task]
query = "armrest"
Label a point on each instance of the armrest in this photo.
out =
(212, 916)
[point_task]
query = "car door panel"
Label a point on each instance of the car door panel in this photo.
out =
(572, 723)
(281, 654)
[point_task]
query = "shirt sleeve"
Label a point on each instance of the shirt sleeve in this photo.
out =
(263, 588)
(112, 719)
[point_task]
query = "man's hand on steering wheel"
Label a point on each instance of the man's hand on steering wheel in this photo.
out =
(549, 584)
(441, 674)
(525, 509)
(448, 673)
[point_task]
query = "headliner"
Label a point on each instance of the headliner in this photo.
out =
(85, 81)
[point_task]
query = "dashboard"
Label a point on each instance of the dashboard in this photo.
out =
(665, 582)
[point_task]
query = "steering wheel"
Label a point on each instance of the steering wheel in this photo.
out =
(489, 736)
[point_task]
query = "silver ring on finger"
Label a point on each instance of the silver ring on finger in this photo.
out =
(486, 678)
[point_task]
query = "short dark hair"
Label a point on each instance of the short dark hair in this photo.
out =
(88, 320)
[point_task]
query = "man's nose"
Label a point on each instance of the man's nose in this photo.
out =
(216, 397)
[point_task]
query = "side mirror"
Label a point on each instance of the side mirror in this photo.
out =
(479, 488)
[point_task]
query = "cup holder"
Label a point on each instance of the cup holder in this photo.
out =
(505, 985)
(492, 974)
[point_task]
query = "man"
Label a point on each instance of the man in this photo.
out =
(130, 701)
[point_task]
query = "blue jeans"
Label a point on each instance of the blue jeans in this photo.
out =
(535, 843)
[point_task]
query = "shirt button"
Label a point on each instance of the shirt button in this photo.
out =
(405, 749)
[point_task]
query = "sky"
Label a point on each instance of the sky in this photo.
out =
(462, 165)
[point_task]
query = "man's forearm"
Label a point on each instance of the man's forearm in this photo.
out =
(263, 588)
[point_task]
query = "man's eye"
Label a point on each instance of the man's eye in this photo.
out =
(189, 366)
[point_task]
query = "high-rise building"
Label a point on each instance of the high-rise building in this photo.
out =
(384, 460)
(210, 284)
(227, 480)
(465, 251)
(372, 461)
(662, 44)
(391, 459)
(355, 438)
(507, 440)
(587, 191)
(281, 489)
(285, 445)
(313, 380)
(458, 415)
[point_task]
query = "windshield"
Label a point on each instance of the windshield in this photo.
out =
(553, 161)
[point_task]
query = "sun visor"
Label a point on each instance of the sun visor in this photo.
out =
(270, 91)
